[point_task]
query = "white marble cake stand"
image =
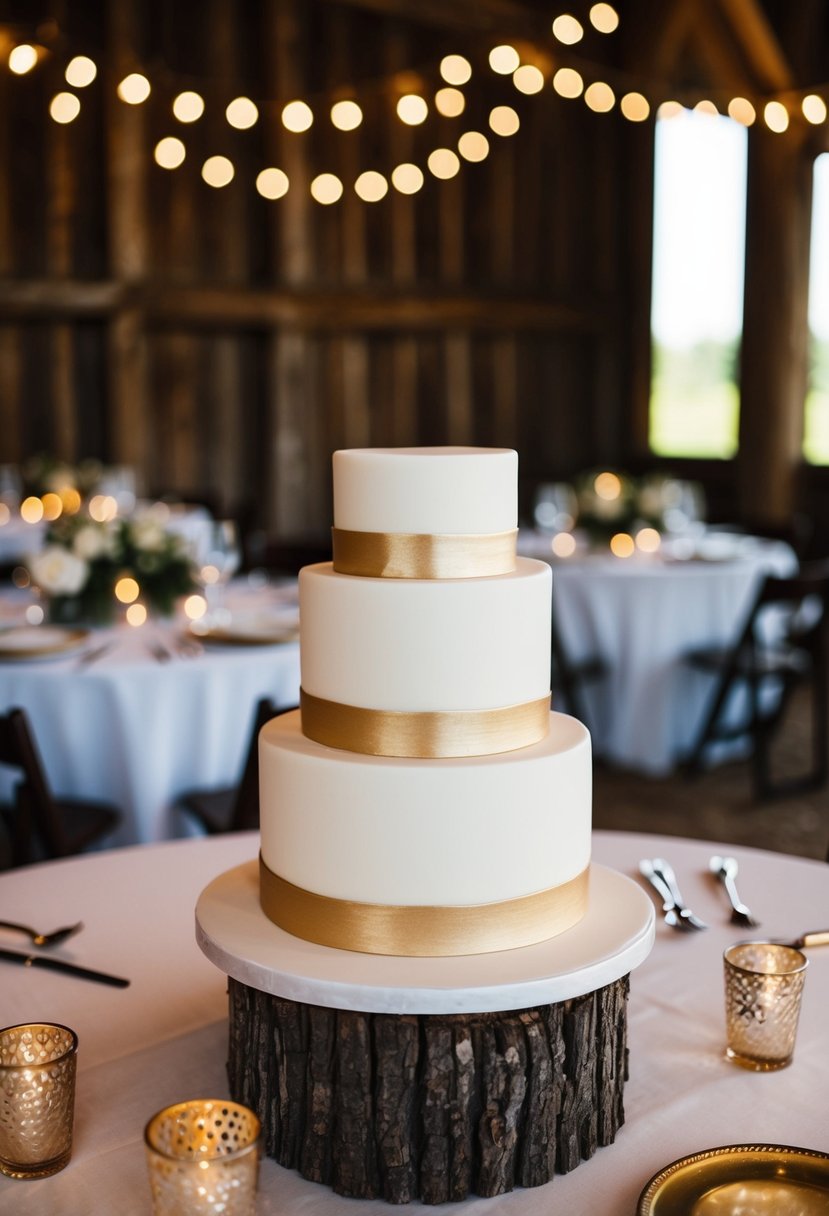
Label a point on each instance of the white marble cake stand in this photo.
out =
(613, 938)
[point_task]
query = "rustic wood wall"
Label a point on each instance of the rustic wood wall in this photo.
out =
(225, 344)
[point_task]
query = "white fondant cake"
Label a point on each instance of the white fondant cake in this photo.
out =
(378, 845)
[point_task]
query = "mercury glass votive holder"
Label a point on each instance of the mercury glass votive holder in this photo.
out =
(203, 1157)
(37, 1098)
(763, 991)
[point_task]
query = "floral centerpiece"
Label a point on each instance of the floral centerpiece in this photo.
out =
(610, 502)
(83, 560)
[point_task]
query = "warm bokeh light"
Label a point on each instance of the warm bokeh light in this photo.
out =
(52, 506)
(134, 89)
(607, 486)
(326, 188)
(371, 186)
(188, 106)
(621, 545)
(528, 79)
(34, 614)
(412, 109)
(635, 107)
(407, 178)
(599, 97)
(71, 500)
(504, 59)
(455, 69)
(241, 113)
(706, 106)
(648, 540)
(297, 116)
(169, 152)
(503, 120)
(443, 163)
(450, 102)
(346, 115)
(567, 29)
(80, 72)
(195, 607)
(272, 183)
(741, 110)
(31, 510)
(102, 508)
(776, 116)
(217, 171)
(567, 82)
(814, 109)
(5, 514)
(473, 146)
(127, 590)
(22, 59)
(136, 614)
(563, 544)
(669, 109)
(604, 18)
(209, 575)
(64, 108)
(21, 578)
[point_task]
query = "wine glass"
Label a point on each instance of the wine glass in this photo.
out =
(218, 555)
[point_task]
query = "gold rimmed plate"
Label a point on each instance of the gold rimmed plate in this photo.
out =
(246, 633)
(741, 1180)
(25, 642)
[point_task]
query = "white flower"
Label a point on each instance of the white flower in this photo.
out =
(92, 542)
(58, 572)
(147, 533)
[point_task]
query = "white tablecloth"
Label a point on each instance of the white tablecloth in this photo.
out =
(641, 615)
(138, 732)
(164, 1038)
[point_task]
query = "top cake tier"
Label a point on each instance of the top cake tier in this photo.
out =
(437, 491)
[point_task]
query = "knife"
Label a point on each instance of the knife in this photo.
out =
(59, 964)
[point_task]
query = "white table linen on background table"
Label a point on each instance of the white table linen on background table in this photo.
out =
(641, 615)
(165, 1037)
(138, 732)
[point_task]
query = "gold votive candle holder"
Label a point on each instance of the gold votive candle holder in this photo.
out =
(37, 1098)
(763, 991)
(203, 1157)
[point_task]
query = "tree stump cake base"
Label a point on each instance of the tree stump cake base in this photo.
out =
(430, 1107)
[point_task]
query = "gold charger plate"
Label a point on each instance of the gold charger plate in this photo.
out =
(39, 641)
(741, 1180)
(228, 636)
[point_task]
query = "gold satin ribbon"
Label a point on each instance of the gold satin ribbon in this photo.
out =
(421, 931)
(415, 555)
(425, 735)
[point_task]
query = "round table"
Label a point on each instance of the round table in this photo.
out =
(165, 1037)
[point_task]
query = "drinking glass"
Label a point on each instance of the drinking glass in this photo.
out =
(763, 991)
(203, 1157)
(218, 556)
(37, 1098)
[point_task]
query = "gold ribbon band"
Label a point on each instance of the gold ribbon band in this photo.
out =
(420, 931)
(412, 555)
(425, 735)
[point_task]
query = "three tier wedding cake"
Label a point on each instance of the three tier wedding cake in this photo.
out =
(424, 800)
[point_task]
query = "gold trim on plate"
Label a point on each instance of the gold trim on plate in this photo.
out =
(761, 1178)
(423, 555)
(71, 640)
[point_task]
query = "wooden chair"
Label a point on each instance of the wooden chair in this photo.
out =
(236, 808)
(568, 677)
(769, 664)
(40, 826)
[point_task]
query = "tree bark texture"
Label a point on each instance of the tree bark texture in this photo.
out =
(430, 1107)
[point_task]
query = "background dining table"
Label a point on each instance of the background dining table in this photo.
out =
(165, 1037)
(158, 713)
(640, 615)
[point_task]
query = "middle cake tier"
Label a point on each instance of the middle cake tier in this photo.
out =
(414, 646)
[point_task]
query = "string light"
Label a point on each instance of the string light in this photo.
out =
(64, 108)
(443, 163)
(412, 109)
(473, 146)
(80, 72)
(648, 540)
(371, 186)
(22, 59)
(326, 188)
(635, 107)
(622, 545)
(528, 79)
(134, 89)
(346, 115)
(407, 178)
(127, 590)
(599, 97)
(567, 29)
(567, 82)
(503, 120)
(814, 109)
(706, 107)
(455, 69)
(450, 102)
(504, 60)
(217, 171)
(52, 506)
(776, 116)
(742, 111)
(563, 544)
(188, 106)
(272, 183)
(31, 510)
(669, 109)
(297, 116)
(241, 113)
(169, 152)
(136, 615)
(604, 18)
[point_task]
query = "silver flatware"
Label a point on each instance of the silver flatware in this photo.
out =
(725, 869)
(160, 653)
(659, 873)
(60, 964)
(669, 912)
(43, 939)
(97, 652)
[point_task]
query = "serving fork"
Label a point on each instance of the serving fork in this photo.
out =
(43, 939)
(659, 873)
(725, 869)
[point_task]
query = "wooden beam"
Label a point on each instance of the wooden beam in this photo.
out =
(755, 35)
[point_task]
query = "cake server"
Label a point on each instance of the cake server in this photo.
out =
(59, 964)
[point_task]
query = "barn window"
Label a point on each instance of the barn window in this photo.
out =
(816, 421)
(697, 303)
